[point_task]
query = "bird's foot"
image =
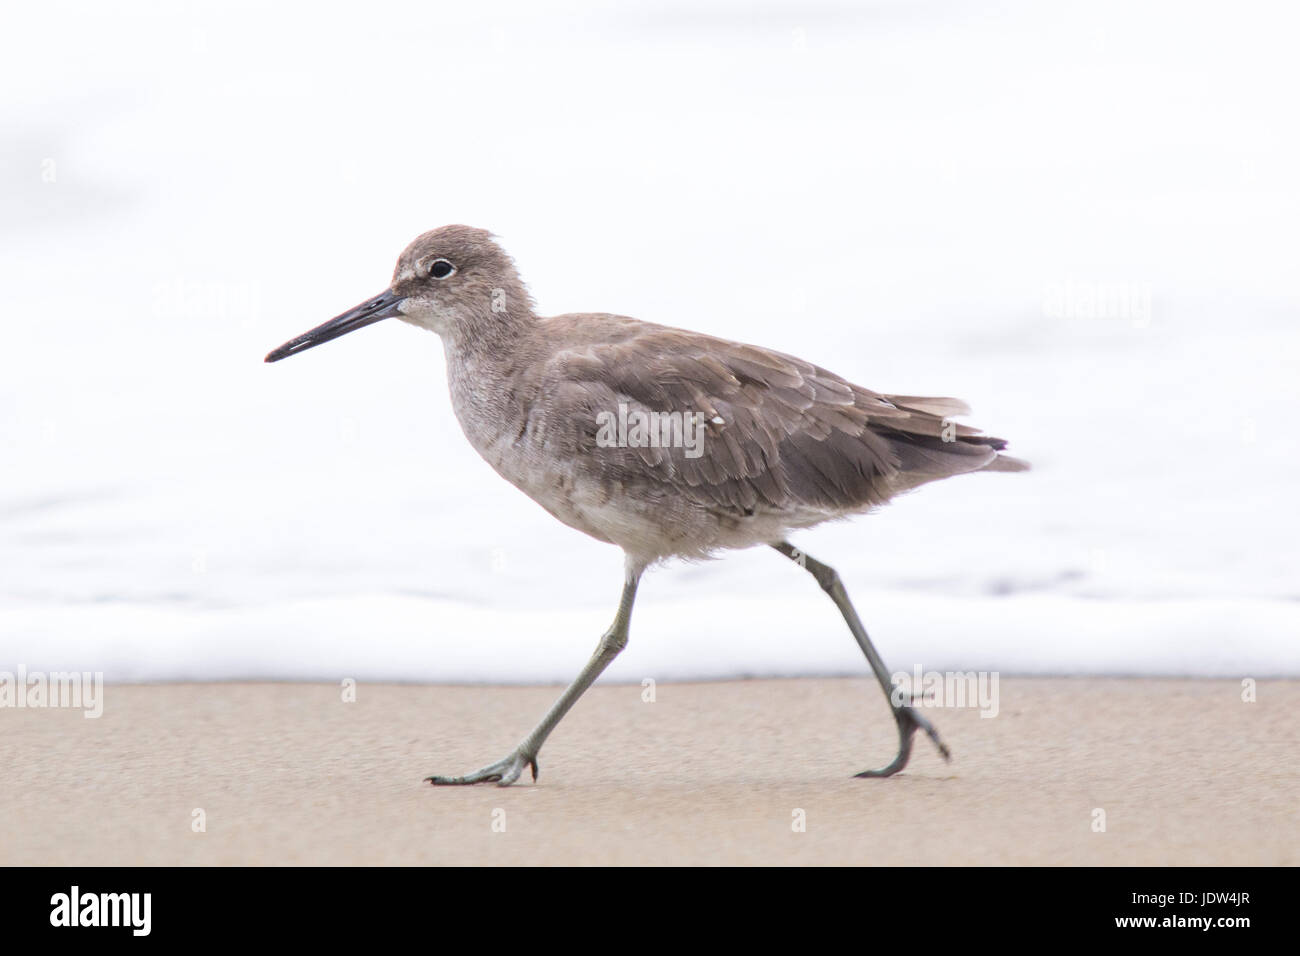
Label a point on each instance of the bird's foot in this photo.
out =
(503, 773)
(909, 722)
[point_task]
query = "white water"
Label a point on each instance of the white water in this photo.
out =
(920, 196)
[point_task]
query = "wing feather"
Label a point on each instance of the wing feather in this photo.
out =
(791, 434)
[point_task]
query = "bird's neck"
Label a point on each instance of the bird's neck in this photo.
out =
(492, 391)
(483, 337)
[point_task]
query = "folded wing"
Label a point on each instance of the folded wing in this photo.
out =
(777, 432)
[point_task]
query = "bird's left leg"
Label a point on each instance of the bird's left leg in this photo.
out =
(507, 770)
(905, 715)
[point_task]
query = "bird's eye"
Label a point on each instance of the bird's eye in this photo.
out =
(440, 269)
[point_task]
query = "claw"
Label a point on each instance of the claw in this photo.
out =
(909, 721)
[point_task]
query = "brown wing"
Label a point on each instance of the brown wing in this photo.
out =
(779, 432)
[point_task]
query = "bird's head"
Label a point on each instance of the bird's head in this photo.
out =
(454, 280)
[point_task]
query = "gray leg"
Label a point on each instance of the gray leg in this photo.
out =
(506, 771)
(908, 720)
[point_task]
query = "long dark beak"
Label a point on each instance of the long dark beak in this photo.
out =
(382, 306)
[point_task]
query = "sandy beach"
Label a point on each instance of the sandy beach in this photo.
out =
(1185, 772)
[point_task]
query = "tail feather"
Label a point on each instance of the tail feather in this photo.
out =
(1007, 463)
(928, 445)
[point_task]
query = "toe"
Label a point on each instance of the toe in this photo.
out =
(511, 774)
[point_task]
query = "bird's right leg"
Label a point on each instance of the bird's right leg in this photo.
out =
(507, 770)
(905, 715)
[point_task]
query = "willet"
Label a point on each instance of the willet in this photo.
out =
(574, 409)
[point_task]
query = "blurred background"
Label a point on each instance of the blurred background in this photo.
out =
(1080, 217)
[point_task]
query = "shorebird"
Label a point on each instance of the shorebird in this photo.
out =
(574, 409)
